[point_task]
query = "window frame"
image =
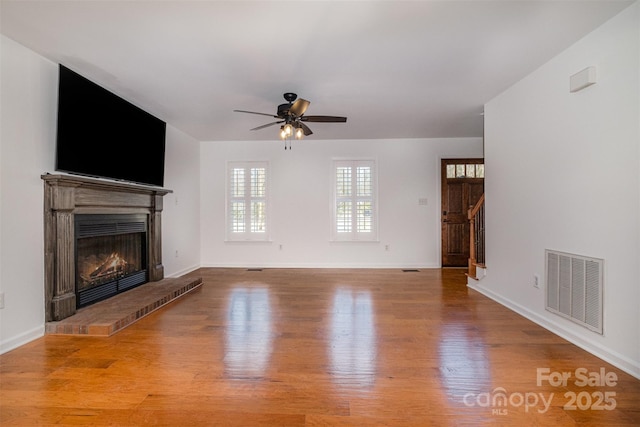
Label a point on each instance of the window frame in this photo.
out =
(247, 235)
(354, 235)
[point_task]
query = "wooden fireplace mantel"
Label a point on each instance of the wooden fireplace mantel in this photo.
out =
(68, 195)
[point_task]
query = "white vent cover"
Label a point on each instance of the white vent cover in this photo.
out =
(574, 288)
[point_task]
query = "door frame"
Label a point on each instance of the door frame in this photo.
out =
(443, 195)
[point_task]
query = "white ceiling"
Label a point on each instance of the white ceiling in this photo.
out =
(414, 69)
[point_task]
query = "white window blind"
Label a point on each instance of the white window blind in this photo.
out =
(247, 202)
(354, 204)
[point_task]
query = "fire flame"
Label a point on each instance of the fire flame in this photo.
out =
(113, 265)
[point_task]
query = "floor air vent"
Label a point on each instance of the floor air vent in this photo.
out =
(254, 269)
(410, 270)
(574, 288)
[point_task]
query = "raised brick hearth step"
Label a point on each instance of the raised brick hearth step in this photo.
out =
(108, 317)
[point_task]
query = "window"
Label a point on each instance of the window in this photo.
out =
(473, 170)
(354, 204)
(247, 203)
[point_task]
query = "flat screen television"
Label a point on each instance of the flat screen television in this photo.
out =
(102, 135)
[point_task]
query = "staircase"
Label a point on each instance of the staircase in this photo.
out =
(477, 267)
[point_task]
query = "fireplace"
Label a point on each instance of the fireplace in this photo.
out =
(110, 255)
(101, 238)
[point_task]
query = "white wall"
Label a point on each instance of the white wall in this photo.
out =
(563, 173)
(181, 214)
(29, 85)
(301, 202)
(28, 123)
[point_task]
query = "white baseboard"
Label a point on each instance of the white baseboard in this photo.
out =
(307, 265)
(22, 339)
(182, 272)
(620, 361)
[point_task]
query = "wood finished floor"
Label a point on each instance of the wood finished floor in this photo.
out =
(312, 347)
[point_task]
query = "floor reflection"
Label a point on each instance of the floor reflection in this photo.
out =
(353, 340)
(464, 364)
(248, 333)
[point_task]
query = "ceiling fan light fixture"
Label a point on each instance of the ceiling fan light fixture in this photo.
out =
(292, 114)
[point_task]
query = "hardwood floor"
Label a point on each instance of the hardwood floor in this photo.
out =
(315, 347)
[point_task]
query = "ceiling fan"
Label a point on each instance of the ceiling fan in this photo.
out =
(291, 117)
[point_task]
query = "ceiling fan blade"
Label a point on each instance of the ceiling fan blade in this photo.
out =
(267, 125)
(305, 129)
(323, 119)
(253, 112)
(299, 107)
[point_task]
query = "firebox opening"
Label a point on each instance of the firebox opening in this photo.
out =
(111, 255)
(107, 258)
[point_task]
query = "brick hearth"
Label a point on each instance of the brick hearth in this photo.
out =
(107, 317)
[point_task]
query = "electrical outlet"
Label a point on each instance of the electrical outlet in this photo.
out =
(536, 281)
(280, 247)
(386, 247)
(176, 253)
(1, 299)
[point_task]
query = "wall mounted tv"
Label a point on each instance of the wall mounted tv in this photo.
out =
(102, 135)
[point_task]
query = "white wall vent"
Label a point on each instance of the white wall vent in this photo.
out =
(574, 288)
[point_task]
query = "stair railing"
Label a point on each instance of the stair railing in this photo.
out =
(476, 236)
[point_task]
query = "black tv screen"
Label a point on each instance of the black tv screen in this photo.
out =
(102, 135)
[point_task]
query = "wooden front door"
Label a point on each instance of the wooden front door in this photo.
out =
(462, 186)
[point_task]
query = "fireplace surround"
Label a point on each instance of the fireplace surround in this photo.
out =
(67, 198)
